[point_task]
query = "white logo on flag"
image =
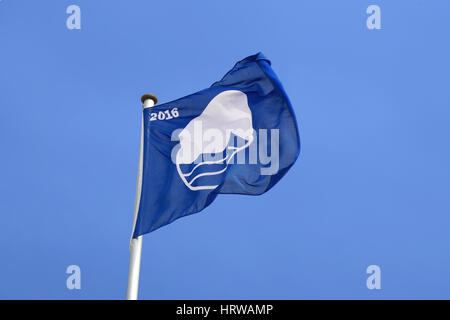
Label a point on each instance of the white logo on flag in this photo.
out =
(227, 113)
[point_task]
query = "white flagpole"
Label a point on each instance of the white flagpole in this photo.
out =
(149, 101)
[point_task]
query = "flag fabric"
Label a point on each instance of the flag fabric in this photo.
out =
(238, 136)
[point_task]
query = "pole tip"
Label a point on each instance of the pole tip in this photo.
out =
(149, 96)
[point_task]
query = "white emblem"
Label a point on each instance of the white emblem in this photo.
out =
(227, 113)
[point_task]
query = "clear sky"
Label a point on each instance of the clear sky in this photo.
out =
(371, 186)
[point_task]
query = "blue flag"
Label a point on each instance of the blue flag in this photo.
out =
(239, 136)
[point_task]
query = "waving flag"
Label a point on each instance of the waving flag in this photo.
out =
(239, 136)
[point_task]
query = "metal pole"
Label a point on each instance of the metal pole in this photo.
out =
(135, 266)
(149, 101)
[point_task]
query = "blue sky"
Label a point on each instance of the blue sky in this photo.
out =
(370, 186)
